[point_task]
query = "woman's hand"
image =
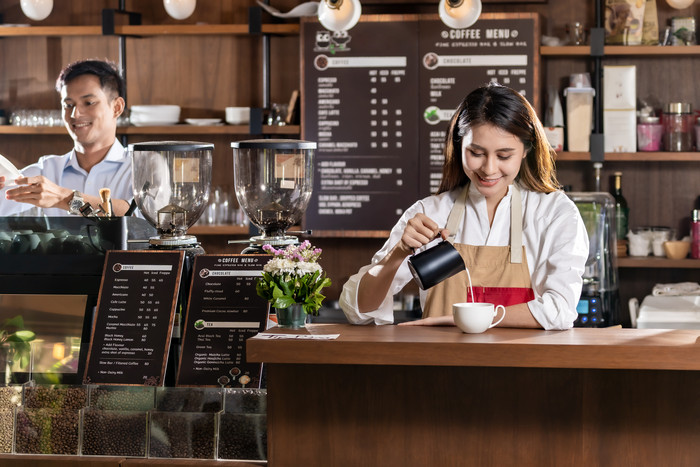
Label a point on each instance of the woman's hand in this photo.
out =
(432, 321)
(39, 191)
(420, 230)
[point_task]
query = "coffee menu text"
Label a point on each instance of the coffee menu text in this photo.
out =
(223, 311)
(379, 99)
(133, 324)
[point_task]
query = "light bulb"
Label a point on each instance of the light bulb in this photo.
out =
(679, 4)
(459, 14)
(36, 9)
(179, 9)
(339, 15)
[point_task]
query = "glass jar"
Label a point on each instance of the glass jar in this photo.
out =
(678, 127)
(649, 134)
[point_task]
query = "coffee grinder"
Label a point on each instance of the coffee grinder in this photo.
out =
(171, 183)
(273, 180)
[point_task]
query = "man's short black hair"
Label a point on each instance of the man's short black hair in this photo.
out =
(108, 73)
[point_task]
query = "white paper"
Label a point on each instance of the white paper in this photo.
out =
(323, 337)
(9, 171)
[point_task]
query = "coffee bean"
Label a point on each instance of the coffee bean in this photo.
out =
(46, 431)
(182, 435)
(242, 436)
(114, 433)
(122, 398)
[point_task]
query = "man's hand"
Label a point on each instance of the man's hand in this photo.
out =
(39, 191)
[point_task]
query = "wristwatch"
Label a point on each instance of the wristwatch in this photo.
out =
(75, 203)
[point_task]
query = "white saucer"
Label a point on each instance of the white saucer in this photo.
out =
(203, 121)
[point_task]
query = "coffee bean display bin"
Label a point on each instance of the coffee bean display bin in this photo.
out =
(132, 422)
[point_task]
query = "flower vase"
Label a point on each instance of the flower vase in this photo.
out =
(292, 317)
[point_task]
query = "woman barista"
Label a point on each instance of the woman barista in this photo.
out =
(499, 178)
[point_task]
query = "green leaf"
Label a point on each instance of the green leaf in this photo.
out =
(25, 335)
(16, 322)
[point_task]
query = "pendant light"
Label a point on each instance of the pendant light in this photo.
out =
(459, 14)
(339, 15)
(179, 9)
(36, 9)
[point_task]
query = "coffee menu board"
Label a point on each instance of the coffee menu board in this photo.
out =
(133, 323)
(223, 311)
(379, 99)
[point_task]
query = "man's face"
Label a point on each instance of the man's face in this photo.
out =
(89, 114)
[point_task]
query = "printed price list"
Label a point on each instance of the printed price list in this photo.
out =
(224, 310)
(133, 324)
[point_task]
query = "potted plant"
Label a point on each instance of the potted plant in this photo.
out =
(292, 282)
(15, 344)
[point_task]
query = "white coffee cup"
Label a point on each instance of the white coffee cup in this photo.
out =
(477, 317)
(237, 115)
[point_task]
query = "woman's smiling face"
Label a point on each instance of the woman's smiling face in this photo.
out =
(491, 159)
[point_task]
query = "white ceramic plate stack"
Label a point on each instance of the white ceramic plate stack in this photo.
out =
(154, 115)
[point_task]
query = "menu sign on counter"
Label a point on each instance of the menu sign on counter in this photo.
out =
(223, 311)
(134, 318)
(379, 99)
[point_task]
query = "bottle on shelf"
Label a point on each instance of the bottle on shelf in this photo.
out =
(621, 208)
(695, 234)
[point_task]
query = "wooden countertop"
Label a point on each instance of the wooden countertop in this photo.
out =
(611, 348)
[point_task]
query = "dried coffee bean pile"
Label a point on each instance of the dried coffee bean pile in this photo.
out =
(109, 433)
(47, 397)
(46, 431)
(48, 422)
(182, 435)
(7, 420)
(10, 397)
(243, 436)
(189, 399)
(140, 399)
(246, 401)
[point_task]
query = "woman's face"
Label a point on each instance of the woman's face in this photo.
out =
(491, 159)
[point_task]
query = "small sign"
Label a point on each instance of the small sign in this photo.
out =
(134, 319)
(223, 311)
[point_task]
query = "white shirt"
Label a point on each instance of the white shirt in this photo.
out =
(555, 240)
(113, 172)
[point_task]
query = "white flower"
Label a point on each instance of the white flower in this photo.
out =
(281, 266)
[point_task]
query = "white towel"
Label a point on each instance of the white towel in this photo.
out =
(681, 288)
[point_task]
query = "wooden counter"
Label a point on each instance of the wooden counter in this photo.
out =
(393, 395)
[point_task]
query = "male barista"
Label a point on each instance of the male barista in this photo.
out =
(92, 100)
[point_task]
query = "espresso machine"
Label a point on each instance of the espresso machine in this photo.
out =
(273, 181)
(599, 305)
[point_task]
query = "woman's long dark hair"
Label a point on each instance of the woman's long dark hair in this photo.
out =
(510, 111)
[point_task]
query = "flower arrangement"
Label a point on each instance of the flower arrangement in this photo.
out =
(292, 276)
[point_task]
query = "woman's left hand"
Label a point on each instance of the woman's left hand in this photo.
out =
(431, 321)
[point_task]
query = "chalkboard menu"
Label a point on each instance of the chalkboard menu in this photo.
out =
(223, 311)
(134, 320)
(378, 100)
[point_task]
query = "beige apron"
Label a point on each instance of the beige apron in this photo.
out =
(499, 273)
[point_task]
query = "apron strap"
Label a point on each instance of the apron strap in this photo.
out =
(457, 213)
(516, 221)
(516, 226)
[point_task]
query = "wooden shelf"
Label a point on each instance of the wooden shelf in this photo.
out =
(49, 31)
(147, 30)
(633, 156)
(620, 50)
(161, 130)
(657, 262)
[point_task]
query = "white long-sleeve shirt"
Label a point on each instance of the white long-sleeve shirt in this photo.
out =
(113, 172)
(555, 240)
